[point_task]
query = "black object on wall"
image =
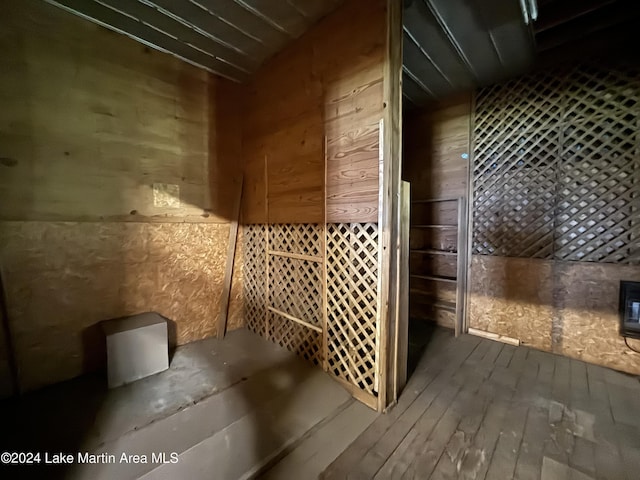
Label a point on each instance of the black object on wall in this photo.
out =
(630, 309)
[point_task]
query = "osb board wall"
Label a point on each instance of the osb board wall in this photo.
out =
(63, 278)
(89, 121)
(327, 84)
(570, 308)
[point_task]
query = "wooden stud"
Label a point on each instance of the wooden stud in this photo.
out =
(461, 274)
(297, 256)
(231, 255)
(294, 319)
(266, 249)
(469, 223)
(390, 181)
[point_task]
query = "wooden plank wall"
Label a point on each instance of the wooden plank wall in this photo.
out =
(89, 122)
(436, 140)
(326, 84)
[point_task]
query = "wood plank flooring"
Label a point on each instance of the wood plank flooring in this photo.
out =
(479, 409)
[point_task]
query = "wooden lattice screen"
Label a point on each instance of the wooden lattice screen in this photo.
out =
(313, 290)
(352, 303)
(255, 278)
(556, 170)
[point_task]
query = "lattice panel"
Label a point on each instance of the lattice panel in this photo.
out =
(295, 287)
(597, 192)
(255, 278)
(305, 239)
(296, 338)
(556, 166)
(352, 302)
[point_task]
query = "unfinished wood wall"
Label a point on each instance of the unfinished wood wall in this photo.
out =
(436, 151)
(117, 168)
(557, 177)
(313, 112)
(325, 87)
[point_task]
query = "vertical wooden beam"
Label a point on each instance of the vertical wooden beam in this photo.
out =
(461, 273)
(468, 250)
(402, 306)
(325, 303)
(391, 180)
(231, 256)
(267, 313)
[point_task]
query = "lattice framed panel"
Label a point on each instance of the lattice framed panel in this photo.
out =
(593, 91)
(556, 166)
(514, 176)
(304, 239)
(352, 303)
(255, 277)
(596, 210)
(295, 287)
(304, 341)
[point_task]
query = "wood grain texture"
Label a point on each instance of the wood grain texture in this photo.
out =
(570, 308)
(60, 288)
(436, 141)
(306, 93)
(91, 120)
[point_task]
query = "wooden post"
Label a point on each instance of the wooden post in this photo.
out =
(390, 191)
(231, 256)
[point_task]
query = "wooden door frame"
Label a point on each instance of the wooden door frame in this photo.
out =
(389, 215)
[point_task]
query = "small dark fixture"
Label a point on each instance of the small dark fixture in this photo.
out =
(630, 309)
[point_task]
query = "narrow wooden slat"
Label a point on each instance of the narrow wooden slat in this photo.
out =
(435, 200)
(294, 319)
(228, 273)
(297, 256)
(455, 227)
(432, 277)
(434, 252)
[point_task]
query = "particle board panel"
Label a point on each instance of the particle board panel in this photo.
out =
(89, 272)
(587, 318)
(512, 297)
(91, 120)
(570, 308)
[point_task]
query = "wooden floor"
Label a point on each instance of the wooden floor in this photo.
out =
(229, 409)
(479, 409)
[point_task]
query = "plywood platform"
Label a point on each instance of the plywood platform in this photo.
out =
(479, 409)
(228, 409)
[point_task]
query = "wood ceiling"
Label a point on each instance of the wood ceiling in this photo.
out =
(455, 45)
(231, 38)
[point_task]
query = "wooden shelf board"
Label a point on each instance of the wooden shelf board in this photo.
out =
(434, 277)
(435, 226)
(434, 302)
(435, 200)
(433, 252)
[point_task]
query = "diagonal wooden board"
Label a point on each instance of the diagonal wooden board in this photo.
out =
(231, 255)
